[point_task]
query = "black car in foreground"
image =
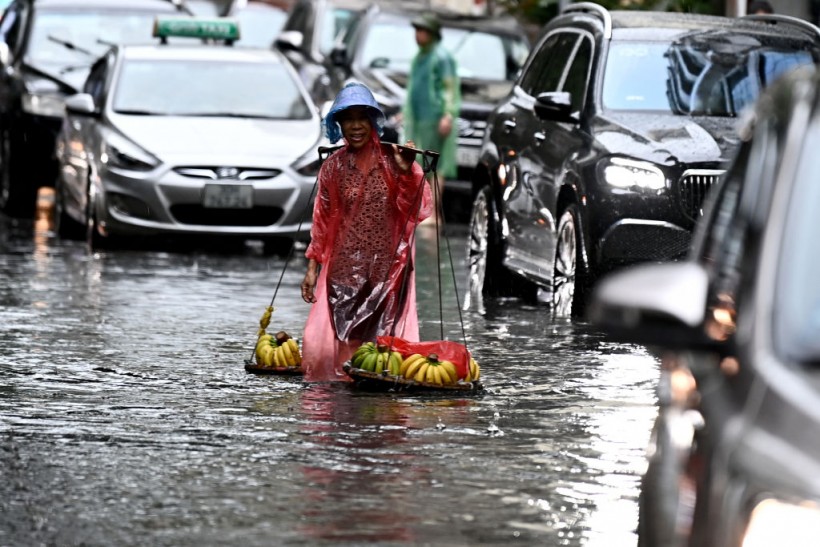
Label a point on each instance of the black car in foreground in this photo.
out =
(46, 50)
(735, 452)
(603, 151)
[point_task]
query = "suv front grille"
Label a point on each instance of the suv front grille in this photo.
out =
(693, 186)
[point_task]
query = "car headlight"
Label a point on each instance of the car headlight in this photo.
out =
(626, 173)
(120, 153)
(44, 104)
(775, 522)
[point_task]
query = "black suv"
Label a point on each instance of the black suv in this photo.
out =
(46, 50)
(604, 150)
(735, 449)
(378, 48)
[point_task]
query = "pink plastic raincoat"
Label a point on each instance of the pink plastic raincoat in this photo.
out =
(364, 221)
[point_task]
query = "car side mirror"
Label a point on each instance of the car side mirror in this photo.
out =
(5, 54)
(338, 56)
(661, 305)
(555, 106)
(81, 104)
(290, 40)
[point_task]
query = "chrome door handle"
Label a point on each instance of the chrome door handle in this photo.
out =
(509, 125)
(539, 137)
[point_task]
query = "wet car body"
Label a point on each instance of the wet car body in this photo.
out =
(735, 453)
(46, 49)
(604, 150)
(138, 158)
(379, 47)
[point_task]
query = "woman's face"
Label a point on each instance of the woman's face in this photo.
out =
(356, 125)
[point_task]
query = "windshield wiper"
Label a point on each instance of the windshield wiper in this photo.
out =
(182, 6)
(221, 115)
(140, 113)
(71, 45)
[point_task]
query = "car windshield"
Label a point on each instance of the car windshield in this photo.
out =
(796, 306)
(334, 23)
(70, 41)
(259, 27)
(679, 79)
(209, 88)
(480, 55)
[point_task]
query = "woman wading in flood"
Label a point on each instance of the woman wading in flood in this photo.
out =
(360, 276)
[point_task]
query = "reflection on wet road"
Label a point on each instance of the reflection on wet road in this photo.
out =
(126, 417)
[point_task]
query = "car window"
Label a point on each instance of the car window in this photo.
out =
(483, 55)
(11, 25)
(67, 38)
(636, 76)
(683, 78)
(95, 83)
(546, 69)
(796, 307)
(334, 23)
(209, 88)
(259, 26)
(576, 80)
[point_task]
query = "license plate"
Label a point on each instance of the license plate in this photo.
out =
(467, 157)
(227, 196)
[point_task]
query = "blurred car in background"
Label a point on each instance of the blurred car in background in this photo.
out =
(378, 49)
(46, 50)
(189, 140)
(260, 24)
(308, 36)
(602, 153)
(735, 451)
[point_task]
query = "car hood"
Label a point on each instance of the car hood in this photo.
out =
(224, 141)
(668, 138)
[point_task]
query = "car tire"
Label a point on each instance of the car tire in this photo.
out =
(488, 276)
(569, 288)
(93, 238)
(65, 226)
(15, 200)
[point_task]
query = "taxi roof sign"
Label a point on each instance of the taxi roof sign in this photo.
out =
(194, 27)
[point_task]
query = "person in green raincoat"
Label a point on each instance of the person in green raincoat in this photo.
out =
(433, 102)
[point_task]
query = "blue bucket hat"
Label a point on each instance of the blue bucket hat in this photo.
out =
(353, 94)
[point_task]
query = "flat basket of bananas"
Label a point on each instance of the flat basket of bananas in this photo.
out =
(277, 353)
(397, 365)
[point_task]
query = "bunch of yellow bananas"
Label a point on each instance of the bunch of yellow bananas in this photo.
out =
(277, 351)
(473, 372)
(378, 359)
(429, 370)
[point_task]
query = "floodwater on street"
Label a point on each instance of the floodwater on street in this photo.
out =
(127, 418)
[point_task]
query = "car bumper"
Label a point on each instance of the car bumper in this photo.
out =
(170, 203)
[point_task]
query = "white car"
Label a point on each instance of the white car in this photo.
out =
(200, 139)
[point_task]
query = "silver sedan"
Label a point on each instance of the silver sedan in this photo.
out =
(188, 140)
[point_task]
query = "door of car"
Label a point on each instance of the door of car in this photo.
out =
(541, 147)
(78, 138)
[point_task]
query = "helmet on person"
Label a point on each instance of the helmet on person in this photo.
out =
(428, 22)
(353, 94)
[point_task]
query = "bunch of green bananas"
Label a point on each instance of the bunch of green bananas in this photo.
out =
(377, 358)
(279, 350)
(429, 370)
(264, 321)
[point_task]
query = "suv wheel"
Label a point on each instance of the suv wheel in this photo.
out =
(568, 287)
